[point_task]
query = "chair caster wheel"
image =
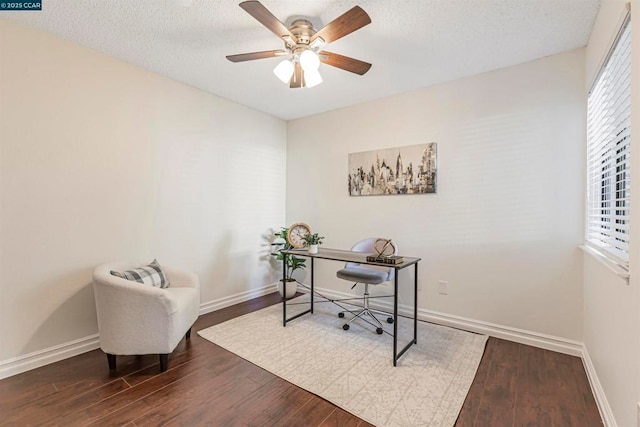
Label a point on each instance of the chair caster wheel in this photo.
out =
(389, 319)
(345, 327)
(341, 315)
(379, 331)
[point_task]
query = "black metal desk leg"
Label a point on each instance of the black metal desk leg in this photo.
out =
(395, 317)
(312, 285)
(284, 290)
(415, 305)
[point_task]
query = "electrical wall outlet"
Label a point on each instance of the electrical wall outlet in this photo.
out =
(443, 287)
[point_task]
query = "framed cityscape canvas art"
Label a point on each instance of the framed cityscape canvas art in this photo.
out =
(412, 169)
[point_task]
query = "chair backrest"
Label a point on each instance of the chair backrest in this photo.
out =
(367, 246)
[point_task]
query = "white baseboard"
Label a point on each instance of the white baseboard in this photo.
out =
(220, 303)
(36, 359)
(535, 339)
(598, 392)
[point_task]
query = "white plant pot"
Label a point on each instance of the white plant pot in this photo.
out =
(313, 249)
(292, 288)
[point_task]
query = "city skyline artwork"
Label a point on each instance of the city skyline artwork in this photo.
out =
(411, 169)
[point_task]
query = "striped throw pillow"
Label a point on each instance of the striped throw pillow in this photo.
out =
(150, 274)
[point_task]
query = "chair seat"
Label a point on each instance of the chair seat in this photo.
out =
(362, 275)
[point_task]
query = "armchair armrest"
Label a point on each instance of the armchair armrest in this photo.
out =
(116, 290)
(181, 279)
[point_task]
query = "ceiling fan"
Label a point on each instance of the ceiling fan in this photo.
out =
(304, 46)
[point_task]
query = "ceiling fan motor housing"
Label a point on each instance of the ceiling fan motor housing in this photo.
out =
(302, 30)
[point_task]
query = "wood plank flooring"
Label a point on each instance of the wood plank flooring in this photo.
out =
(516, 385)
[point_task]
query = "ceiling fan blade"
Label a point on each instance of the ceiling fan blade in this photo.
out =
(256, 55)
(266, 18)
(346, 23)
(297, 80)
(344, 62)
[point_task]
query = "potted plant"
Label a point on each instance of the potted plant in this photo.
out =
(292, 263)
(312, 241)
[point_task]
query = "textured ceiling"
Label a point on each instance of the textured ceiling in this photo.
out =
(411, 43)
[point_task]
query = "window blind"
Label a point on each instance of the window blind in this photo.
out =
(608, 152)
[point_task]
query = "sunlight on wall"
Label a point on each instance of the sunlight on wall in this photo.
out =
(496, 171)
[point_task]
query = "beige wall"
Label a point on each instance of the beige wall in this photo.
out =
(104, 161)
(611, 305)
(505, 226)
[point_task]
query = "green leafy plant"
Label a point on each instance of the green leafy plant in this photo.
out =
(292, 262)
(313, 239)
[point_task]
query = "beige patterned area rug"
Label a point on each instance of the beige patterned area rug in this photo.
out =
(354, 369)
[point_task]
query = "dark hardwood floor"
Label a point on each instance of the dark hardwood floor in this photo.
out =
(516, 385)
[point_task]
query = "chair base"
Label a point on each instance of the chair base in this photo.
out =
(111, 359)
(164, 362)
(366, 311)
(164, 358)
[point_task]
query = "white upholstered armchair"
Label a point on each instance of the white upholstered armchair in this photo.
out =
(136, 318)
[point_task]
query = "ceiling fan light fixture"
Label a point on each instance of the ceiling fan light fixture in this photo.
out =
(284, 71)
(309, 60)
(312, 78)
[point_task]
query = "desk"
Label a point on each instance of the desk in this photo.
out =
(360, 258)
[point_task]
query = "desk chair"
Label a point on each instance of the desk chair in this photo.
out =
(369, 275)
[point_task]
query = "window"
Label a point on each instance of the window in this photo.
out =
(608, 152)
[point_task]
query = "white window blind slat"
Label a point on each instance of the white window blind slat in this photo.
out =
(610, 126)
(611, 120)
(609, 152)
